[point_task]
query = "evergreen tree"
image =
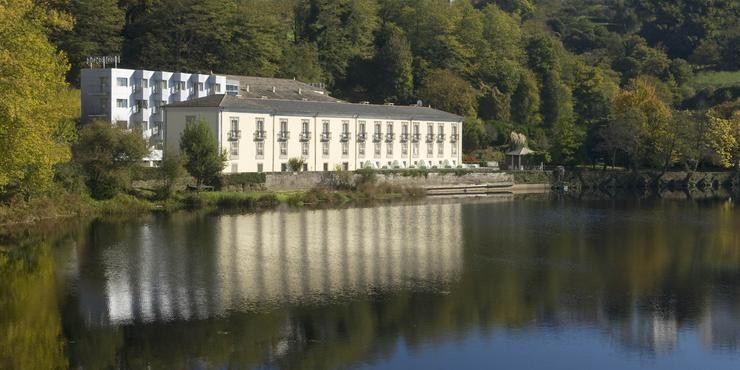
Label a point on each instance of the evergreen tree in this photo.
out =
(525, 103)
(393, 79)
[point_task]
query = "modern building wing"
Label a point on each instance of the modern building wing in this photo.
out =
(134, 97)
(263, 134)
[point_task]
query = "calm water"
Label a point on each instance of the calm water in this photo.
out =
(495, 283)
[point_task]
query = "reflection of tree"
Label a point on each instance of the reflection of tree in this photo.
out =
(30, 324)
(636, 274)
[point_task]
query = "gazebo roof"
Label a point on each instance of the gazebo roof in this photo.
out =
(521, 151)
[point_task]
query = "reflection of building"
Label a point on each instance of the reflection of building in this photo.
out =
(252, 261)
(719, 328)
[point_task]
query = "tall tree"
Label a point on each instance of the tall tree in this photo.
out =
(447, 91)
(98, 27)
(203, 160)
(179, 35)
(394, 79)
(341, 29)
(525, 104)
(37, 109)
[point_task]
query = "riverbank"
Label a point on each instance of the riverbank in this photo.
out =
(61, 205)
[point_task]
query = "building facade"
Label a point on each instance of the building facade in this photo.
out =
(262, 135)
(134, 97)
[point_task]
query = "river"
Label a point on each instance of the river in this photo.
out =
(528, 283)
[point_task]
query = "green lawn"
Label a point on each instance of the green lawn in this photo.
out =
(715, 80)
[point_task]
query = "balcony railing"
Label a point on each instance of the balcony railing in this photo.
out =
(430, 138)
(259, 135)
(283, 135)
(415, 137)
(377, 137)
(390, 136)
(305, 135)
(235, 135)
(325, 136)
(404, 137)
(344, 136)
(361, 136)
(454, 138)
(440, 137)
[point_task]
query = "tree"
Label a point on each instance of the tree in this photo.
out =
(108, 154)
(301, 61)
(170, 169)
(394, 79)
(646, 118)
(203, 160)
(473, 134)
(37, 110)
(444, 90)
(97, 31)
(525, 103)
(721, 139)
(342, 31)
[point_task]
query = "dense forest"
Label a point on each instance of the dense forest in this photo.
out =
(631, 83)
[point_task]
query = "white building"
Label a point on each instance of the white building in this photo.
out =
(261, 135)
(134, 98)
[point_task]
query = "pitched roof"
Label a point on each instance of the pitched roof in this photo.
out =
(279, 88)
(326, 109)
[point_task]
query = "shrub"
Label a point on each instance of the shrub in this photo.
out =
(296, 164)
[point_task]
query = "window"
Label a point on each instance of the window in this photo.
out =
(326, 167)
(441, 129)
(218, 88)
(389, 149)
(325, 148)
(121, 103)
(377, 149)
(361, 148)
(259, 167)
(454, 148)
(283, 148)
(430, 129)
(304, 148)
(260, 123)
(142, 104)
(284, 125)
(345, 148)
(234, 123)
(304, 125)
(377, 127)
(430, 148)
(200, 86)
(416, 129)
(234, 168)
(405, 148)
(234, 150)
(345, 126)
(325, 125)
(390, 127)
(163, 85)
(345, 166)
(145, 83)
(283, 167)
(122, 81)
(179, 85)
(440, 149)
(260, 149)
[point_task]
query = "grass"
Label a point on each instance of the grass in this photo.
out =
(709, 79)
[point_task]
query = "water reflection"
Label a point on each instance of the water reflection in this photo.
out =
(448, 284)
(197, 267)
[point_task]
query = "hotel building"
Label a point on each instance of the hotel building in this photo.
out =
(262, 134)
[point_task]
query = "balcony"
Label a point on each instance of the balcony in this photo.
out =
(440, 138)
(235, 135)
(404, 137)
(305, 136)
(454, 138)
(283, 135)
(377, 137)
(430, 138)
(389, 137)
(361, 136)
(415, 137)
(325, 136)
(344, 136)
(259, 135)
